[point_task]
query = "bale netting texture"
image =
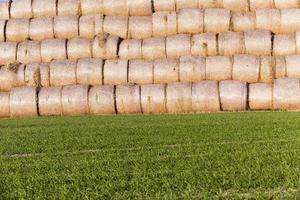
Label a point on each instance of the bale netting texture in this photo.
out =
(8, 52)
(102, 100)
(128, 100)
(17, 30)
(41, 28)
(4, 9)
(192, 69)
(21, 9)
(50, 101)
(43, 8)
(62, 72)
(66, 27)
(153, 98)
(68, 7)
(2, 30)
(246, 68)
(53, 49)
(261, 96)
(130, 49)
(89, 71)
(140, 72)
(105, 46)
(29, 52)
(115, 72)
(179, 97)
(166, 71)
(79, 48)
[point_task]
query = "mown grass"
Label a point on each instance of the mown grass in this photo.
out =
(205, 156)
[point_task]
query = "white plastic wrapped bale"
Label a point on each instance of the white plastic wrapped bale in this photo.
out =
(258, 42)
(68, 7)
(53, 49)
(236, 5)
(178, 45)
(260, 4)
(62, 72)
(267, 69)
(32, 75)
(128, 99)
(8, 77)
(179, 97)
(130, 49)
(205, 96)
(102, 100)
(115, 7)
(218, 68)
(74, 100)
(216, 20)
(29, 52)
(233, 95)
(154, 48)
(17, 30)
(91, 7)
(190, 21)
(79, 48)
(139, 7)
(164, 24)
(284, 4)
(89, 71)
(8, 52)
(242, 22)
(261, 96)
(66, 26)
(166, 71)
(292, 66)
(2, 30)
(286, 94)
(20, 9)
(153, 98)
(204, 44)
(246, 68)
(166, 5)
(116, 25)
(192, 69)
(290, 21)
(231, 43)
(105, 46)
(4, 9)
(50, 101)
(41, 28)
(203, 4)
(268, 19)
(115, 72)
(280, 67)
(23, 102)
(4, 105)
(182, 4)
(140, 72)
(43, 8)
(284, 45)
(45, 74)
(140, 27)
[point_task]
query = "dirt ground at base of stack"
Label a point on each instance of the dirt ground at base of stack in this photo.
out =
(251, 155)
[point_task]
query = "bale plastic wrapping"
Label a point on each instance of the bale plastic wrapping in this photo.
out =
(128, 99)
(204, 44)
(153, 98)
(130, 49)
(258, 42)
(8, 52)
(29, 52)
(50, 101)
(243, 21)
(231, 43)
(190, 21)
(260, 96)
(43, 8)
(4, 105)
(179, 98)
(105, 46)
(32, 75)
(102, 100)
(140, 72)
(216, 20)
(268, 19)
(79, 48)
(53, 49)
(89, 71)
(178, 45)
(267, 69)
(68, 7)
(166, 71)
(154, 48)
(17, 30)
(41, 28)
(116, 25)
(62, 72)
(115, 72)
(246, 68)
(164, 24)
(66, 27)
(292, 66)
(192, 69)
(140, 27)
(20, 9)
(284, 45)
(290, 21)
(218, 68)
(139, 7)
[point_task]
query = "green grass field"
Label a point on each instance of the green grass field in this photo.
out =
(205, 156)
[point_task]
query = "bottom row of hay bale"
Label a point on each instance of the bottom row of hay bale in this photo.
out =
(204, 96)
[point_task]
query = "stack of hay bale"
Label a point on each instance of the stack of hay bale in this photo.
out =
(76, 57)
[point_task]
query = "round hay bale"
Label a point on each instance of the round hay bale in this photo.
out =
(87, 26)
(66, 26)
(297, 38)
(246, 68)
(140, 72)
(216, 20)
(186, 21)
(115, 72)
(178, 45)
(154, 48)
(284, 45)
(166, 71)
(139, 7)
(74, 100)
(179, 98)
(2, 30)
(153, 98)
(280, 67)
(292, 66)
(23, 102)
(32, 75)
(50, 101)
(44, 8)
(140, 27)
(267, 69)
(231, 43)
(53, 49)
(62, 72)
(20, 9)
(68, 8)
(236, 5)
(128, 99)
(17, 30)
(204, 44)
(115, 7)
(260, 4)
(204, 4)
(105, 46)
(79, 48)
(164, 24)
(4, 9)
(8, 52)
(91, 7)
(286, 94)
(233, 95)
(218, 68)
(290, 21)
(45, 74)
(102, 100)
(258, 42)
(192, 69)
(116, 25)
(130, 49)
(242, 22)
(99, 19)
(182, 4)
(205, 96)
(8, 77)
(166, 5)
(41, 28)
(260, 96)
(285, 4)
(89, 71)
(21, 75)
(4, 105)
(268, 19)
(29, 52)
